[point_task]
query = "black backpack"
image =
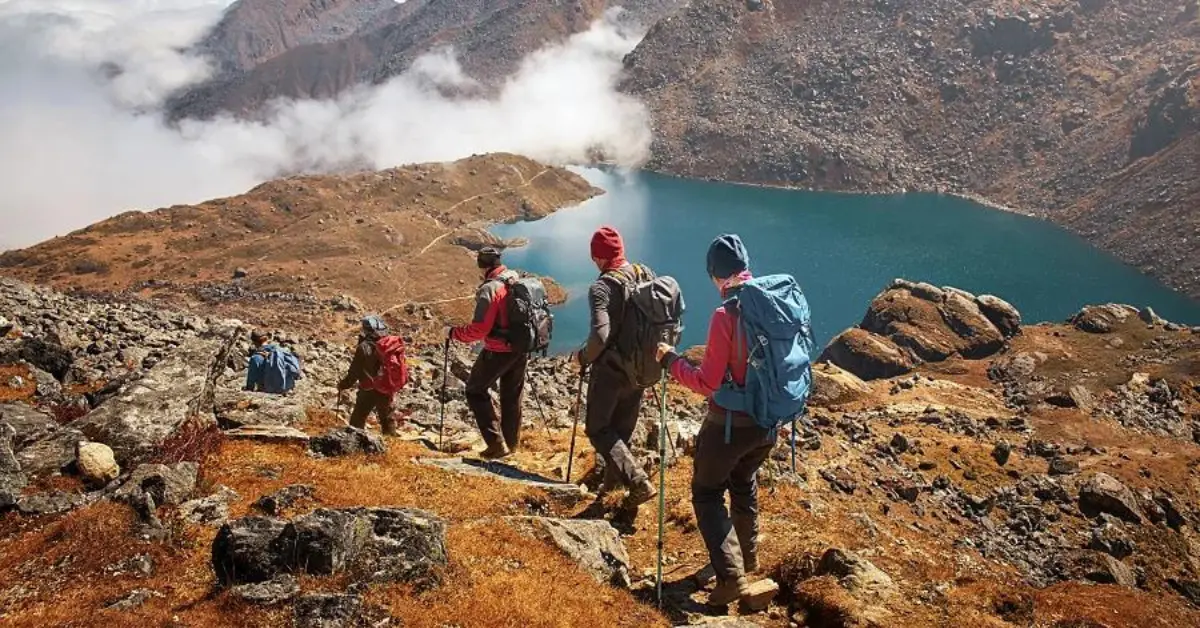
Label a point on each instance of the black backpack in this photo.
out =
(530, 323)
(653, 313)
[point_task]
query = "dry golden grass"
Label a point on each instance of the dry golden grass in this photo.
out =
(23, 392)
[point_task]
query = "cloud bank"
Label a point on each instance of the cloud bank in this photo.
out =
(82, 135)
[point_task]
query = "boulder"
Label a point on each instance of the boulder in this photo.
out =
(345, 441)
(8, 458)
(166, 485)
(1150, 317)
(834, 386)
(275, 503)
(594, 544)
(282, 588)
(324, 541)
(53, 453)
(1102, 319)
(50, 503)
(1093, 566)
(760, 594)
(1102, 493)
(247, 550)
(48, 356)
(212, 510)
(980, 338)
(28, 425)
(856, 574)
(268, 434)
(239, 408)
(96, 464)
(1001, 313)
(911, 322)
(6, 326)
(866, 355)
(374, 544)
(148, 412)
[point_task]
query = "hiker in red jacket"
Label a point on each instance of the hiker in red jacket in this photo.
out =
(497, 361)
(719, 465)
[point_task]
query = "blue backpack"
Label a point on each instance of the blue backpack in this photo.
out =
(777, 331)
(280, 371)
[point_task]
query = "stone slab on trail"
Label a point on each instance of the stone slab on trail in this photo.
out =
(148, 412)
(268, 433)
(570, 493)
(594, 544)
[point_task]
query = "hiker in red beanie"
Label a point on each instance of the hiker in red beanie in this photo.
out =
(613, 400)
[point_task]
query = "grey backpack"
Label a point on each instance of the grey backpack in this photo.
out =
(653, 313)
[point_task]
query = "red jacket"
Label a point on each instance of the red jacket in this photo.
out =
(720, 358)
(491, 314)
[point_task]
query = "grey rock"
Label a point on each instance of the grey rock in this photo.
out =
(135, 599)
(374, 544)
(9, 464)
(6, 326)
(1150, 317)
(1112, 540)
(1101, 319)
(211, 510)
(282, 588)
(324, 541)
(1082, 398)
(247, 550)
(166, 485)
(1103, 493)
(328, 610)
(567, 493)
(53, 453)
(594, 544)
(268, 434)
(1001, 452)
(50, 503)
(345, 441)
(856, 574)
(274, 503)
(1063, 466)
(28, 425)
(1096, 567)
(148, 412)
(1001, 313)
(238, 408)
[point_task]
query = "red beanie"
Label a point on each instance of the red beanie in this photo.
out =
(607, 244)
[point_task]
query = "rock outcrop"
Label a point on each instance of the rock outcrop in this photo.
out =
(912, 323)
(148, 412)
(595, 545)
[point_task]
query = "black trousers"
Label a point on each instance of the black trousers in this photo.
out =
(369, 401)
(719, 467)
(613, 404)
(509, 370)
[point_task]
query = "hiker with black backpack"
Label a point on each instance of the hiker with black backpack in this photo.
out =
(512, 318)
(379, 369)
(756, 374)
(271, 368)
(620, 353)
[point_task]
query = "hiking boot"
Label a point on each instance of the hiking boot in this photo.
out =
(727, 592)
(495, 452)
(641, 493)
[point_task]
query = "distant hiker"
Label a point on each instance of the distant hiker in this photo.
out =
(380, 370)
(748, 401)
(506, 347)
(271, 368)
(620, 351)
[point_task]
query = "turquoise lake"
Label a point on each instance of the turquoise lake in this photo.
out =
(842, 248)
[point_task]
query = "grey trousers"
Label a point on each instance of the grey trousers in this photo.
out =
(719, 467)
(612, 414)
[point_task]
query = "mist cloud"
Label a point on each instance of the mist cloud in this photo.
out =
(82, 136)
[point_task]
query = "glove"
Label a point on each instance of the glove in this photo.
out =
(665, 355)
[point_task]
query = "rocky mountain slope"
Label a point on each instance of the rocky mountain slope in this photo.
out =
(1048, 479)
(1086, 112)
(312, 250)
(324, 54)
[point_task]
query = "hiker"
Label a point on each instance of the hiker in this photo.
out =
(270, 368)
(379, 369)
(743, 420)
(613, 400)
(497, 361)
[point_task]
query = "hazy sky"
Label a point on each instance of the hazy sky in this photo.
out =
(82, 138)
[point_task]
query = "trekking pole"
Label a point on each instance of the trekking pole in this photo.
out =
(537, 399)
(662, 481)
(445, 381)
(575, 424)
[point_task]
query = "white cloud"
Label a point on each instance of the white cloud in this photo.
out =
(78, 143)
